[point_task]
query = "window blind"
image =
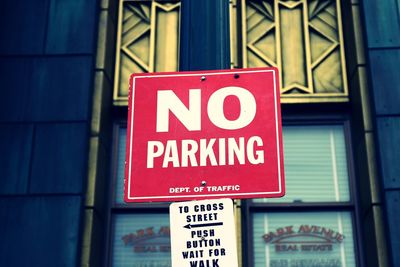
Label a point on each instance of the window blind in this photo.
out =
(315, 164)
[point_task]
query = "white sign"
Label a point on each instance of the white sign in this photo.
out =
(203, 234)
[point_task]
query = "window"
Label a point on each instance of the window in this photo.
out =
(313, 225)
(140, 233)
(141, 239)
(315, 165)
(303, 239)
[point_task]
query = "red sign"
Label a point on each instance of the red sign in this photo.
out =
(204, 135)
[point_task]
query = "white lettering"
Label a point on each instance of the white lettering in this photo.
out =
(154, 150)
(235, 149)
(189, 149)
(222, 157)
(171, 154)
(206, 152)
(250, 150)
(215, 108)
(168, 101)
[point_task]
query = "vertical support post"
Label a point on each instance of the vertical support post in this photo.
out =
(204, 35)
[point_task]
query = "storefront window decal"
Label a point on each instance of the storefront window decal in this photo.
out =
(141, 240)
(312, 239)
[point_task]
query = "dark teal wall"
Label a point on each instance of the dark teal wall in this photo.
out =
(382, 24)
(47, 53)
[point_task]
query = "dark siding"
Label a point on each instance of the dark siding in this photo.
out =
(15, 93)
(59, 160)
(389, 140)
(15, 148)
(70, 28)
(61, 88)
(22, 26)
(40, 231)
(382, 23)
(393, 208)
(45, 89)
(386, 80)
(47, 55)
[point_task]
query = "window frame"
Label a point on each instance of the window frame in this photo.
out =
(114, 208)
(248, 207)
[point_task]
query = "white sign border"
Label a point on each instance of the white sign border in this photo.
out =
(203, 195)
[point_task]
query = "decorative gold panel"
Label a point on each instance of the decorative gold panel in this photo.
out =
(304, 39)
(147, 41)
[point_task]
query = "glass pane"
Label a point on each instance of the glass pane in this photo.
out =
(315, 165)
(141, 240)
(303, 239)
(119, 189)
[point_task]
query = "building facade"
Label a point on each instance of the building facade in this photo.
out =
(65, 67)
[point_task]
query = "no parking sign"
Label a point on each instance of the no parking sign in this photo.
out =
(207, 134)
